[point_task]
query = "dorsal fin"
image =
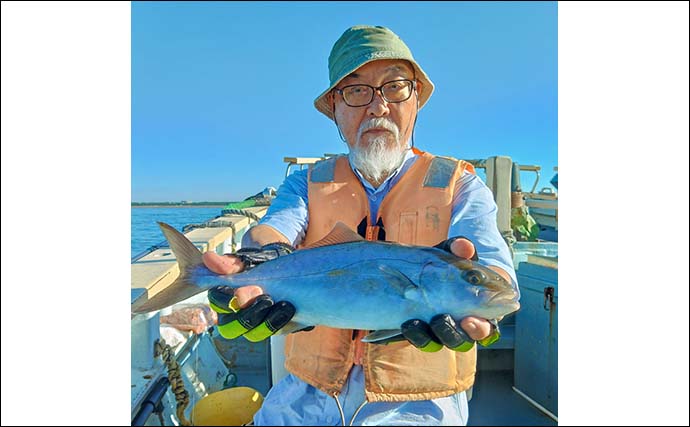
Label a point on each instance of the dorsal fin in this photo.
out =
(340, 233)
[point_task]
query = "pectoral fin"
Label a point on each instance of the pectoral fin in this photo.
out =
(291, 327)
(384, 336)
(400, 282)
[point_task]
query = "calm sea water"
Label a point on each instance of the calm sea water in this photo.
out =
(145, 230)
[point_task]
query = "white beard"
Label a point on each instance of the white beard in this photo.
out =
(382, 155)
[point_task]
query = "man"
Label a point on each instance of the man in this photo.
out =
(386, 191)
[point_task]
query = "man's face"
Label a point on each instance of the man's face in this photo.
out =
(356, 123)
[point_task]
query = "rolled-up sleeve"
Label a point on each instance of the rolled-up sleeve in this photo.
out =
(474, 216)
(288, 212)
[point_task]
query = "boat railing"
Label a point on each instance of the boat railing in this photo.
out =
(482, 164)
(155, 270)
(301, 162)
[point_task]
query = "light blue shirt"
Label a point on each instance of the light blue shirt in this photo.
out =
(292, 402)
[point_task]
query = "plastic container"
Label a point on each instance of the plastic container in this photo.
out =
(233, 406)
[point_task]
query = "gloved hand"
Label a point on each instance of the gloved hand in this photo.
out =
(247, 311)
(252, 257)
(256, 318)
(442, 329)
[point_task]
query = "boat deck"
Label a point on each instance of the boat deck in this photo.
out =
(493, 402)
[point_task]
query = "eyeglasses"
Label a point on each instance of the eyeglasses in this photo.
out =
(360, 95)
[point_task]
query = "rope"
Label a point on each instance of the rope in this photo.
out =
(208, 224)
(517, 199)
(357, 412)
(340, 408)
(510, 239)
(242, 212)
(176, 383)
(212, 223)
(342, 413)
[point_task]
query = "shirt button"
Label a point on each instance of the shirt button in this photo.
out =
(373, 198)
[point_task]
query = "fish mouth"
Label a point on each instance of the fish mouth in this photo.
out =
(502, 298)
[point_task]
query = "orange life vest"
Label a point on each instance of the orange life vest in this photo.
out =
(417, 210)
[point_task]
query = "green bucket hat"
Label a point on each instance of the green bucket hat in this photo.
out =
(362, 44)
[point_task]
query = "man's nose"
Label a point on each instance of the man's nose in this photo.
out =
(378, 106)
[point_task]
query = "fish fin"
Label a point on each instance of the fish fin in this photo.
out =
(340, 233)
(188, 256)
(384, 336)
(179, 290)
(291, 327)
(412, 293)
(401, 282)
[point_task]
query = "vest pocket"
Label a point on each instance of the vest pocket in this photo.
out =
(407, 233)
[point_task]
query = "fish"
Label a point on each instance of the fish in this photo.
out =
(344, 281)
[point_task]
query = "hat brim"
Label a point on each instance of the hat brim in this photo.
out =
(321, 102)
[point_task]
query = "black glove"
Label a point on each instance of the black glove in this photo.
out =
(443, 330)
(263, 317)
(251, 257)
(256, 322)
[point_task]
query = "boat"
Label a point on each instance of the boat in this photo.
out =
(184, 373)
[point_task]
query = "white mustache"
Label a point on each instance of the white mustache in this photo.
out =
(378, 122)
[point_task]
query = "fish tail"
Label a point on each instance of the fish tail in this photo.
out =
(187, 254)
(188, 257)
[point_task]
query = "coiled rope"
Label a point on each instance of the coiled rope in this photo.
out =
(176, 383)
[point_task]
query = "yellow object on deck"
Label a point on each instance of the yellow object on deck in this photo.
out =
(233, 406)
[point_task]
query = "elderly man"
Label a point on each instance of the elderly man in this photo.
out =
(386, 190)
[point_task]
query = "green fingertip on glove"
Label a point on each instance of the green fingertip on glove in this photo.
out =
(232, 329)
(495, 336)
(256, 322)
(223, 302)
(465, 346)
(418, 333)
(431, 347)
(233, 307)
(259, 333)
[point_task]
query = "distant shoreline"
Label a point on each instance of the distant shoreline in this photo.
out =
(186, 205)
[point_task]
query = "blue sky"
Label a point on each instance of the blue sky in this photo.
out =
(623, 104)
(222, 91)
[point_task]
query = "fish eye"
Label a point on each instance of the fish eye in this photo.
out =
(475, 277)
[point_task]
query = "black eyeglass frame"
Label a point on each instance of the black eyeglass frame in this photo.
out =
(378, 89)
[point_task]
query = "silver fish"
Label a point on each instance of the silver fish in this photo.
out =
(347, 282)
